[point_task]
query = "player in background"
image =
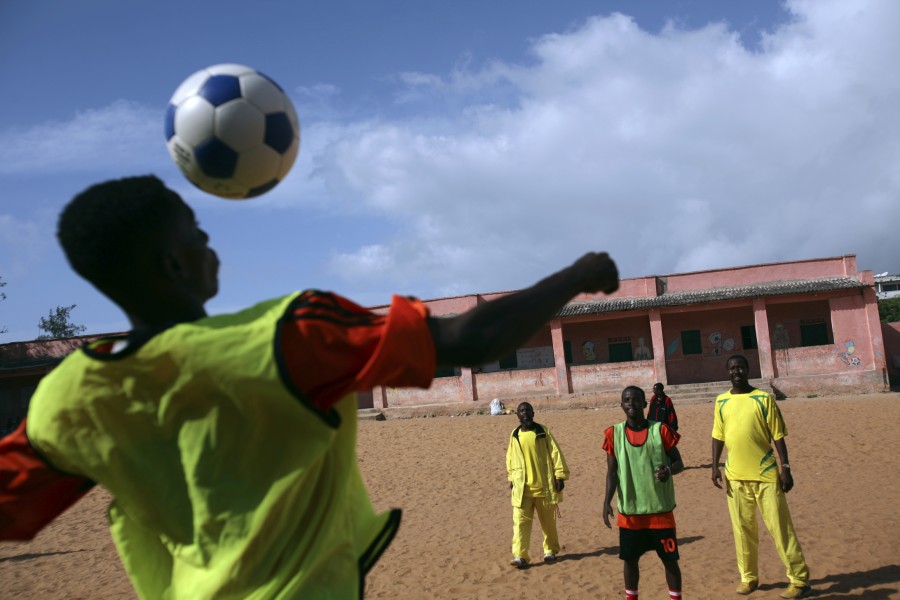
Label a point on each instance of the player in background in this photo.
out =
(641, 458)
(228, 443)
(661, 408)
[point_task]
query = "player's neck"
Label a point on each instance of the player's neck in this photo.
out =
(637, 424)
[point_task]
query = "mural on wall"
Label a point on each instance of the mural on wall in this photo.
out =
(587, 350)
(720, 343)
(847, 355)
(535, 358)
(642, 352)
(781, 340)
(673, 347)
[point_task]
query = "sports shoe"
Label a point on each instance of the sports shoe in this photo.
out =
(747, 587)
(796, 591)
(519, 563)
(549, 558)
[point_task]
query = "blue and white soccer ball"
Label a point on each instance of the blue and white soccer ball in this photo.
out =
(232, 131)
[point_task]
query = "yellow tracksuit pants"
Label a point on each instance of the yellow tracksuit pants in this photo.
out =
(523, 518)
(744, 497)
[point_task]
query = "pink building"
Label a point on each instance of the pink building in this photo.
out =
(807, 327)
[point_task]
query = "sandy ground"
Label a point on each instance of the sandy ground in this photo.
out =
(448, 475)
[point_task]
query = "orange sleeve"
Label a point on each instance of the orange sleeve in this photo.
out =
(32, 493)
(609, 444)
(669, 437)
(332, 346)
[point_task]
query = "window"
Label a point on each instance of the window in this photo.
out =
(748, 337)
(620, 352)
(444, 371)
(509, 362)
(690, 342)
(567, 351)
(813, 332)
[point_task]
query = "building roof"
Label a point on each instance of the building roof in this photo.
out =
(756, 290)
(29, 363)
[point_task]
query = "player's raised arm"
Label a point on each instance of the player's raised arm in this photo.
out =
(496, 328)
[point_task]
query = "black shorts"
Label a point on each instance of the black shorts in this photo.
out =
(634, 542)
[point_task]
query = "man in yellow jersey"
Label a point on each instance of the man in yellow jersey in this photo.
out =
(228, 443)
(746, 423)
(537, 474)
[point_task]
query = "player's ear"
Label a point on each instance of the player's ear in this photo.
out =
(172, 266)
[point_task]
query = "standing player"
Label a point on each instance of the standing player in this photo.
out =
(537, 474)
(229, 442)
(641, 459)
(747, 421)
(661, 408)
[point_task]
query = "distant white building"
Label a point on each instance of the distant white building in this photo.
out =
(887, 286)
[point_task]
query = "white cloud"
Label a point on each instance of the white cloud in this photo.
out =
(118, 135)
(675, 151)
(23, 242)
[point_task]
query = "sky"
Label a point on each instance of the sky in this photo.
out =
(465, 147)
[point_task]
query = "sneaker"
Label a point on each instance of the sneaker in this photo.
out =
(519, 563)
(549, 558)
(796, 591)
(747, 587)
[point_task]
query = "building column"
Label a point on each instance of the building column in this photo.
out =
(379, 397)
(763, 342)
(870, 297)
(467, 388)
(659, 346)
(563, 385)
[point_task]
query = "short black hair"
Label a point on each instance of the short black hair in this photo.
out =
(639, 390)
(107, 228)
(659, 385)
(739, 357)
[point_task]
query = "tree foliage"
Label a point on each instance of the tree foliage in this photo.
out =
(889, 310)
(57, 324)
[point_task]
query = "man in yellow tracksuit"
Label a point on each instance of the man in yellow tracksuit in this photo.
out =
(747, 423)
(537, 472)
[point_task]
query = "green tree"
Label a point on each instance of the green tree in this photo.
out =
(57, 324)
(889, 310)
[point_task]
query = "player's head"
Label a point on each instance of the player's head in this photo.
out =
(658, 388)
(134, 237)
(634, 401)
(738, 370)
(740, 358)
(525, 412)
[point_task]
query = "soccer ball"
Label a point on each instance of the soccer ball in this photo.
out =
(232, 131)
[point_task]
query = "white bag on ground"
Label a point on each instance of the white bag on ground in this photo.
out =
(497, 407)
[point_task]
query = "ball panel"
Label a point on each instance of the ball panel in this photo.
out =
(216, 159)
(220, 89)
(189, 87)
(170, 121)
(194, 120)
(288, 158)
(230, 69)
(240, 125)
(183, 155)
(257, 166)
(279, 132)
(262, 93)
(262, 189)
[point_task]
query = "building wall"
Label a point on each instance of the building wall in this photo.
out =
(720, 337)
(855, 357)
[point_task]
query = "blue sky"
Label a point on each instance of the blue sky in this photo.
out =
(458, 147)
